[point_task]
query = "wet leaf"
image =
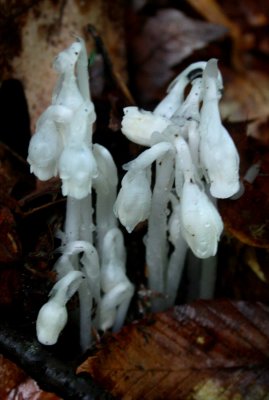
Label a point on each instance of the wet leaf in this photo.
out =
(209, 350)
(34, 32)
(165, 40)
(246, 96)
(213, 12)
(14, 384)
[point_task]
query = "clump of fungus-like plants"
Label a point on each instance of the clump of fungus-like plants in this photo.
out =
(195, 162)
(92, 260)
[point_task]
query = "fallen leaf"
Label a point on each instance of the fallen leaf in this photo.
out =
(213, 12)
(246, 96)
(10, 374)
(15, 384)
(209, 350)
(33, 33)
(165, 40)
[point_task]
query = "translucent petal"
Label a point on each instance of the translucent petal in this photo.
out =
(134, 199)
(218, 155)
(44, 151)
(138, 125)
(77, 168)
(201, 223)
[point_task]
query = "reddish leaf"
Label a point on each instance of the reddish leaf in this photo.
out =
(246, 96)
(33, 32)
(208, 350)
(14, 384)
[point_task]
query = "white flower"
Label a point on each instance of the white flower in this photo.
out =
(174, 223)
(138, 125)
(44, 151)
(77, 168)
(201, 224)
(218, 154)
(175, 92)
(52, 316)
(107, 177)
(134, 199)
(113, 260)
(117, 288)
(67, 58)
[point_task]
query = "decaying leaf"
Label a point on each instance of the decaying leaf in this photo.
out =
(14, 384)
(246, 97)
(212, 11)
(34, 32)
(165, 40)
(210, 350)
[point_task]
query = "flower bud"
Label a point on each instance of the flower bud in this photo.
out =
(44, 150)
(218, 154)
(77, 168)
(201, 224)
(138, 125)
(52, 316)
(134, 199)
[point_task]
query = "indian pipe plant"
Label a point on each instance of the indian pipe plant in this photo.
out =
(190, 162)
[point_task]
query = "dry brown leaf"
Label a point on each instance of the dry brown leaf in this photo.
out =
(213, 12)
(165, 40)
(210, 350)
(14, 384)
(35, 31)
(246, 96)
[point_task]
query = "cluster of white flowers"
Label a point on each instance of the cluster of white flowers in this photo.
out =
(62, 145)
(196, 161)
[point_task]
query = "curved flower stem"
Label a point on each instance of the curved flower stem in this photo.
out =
(85, 310)
(122, 310)
(78, 225)
(156, 247)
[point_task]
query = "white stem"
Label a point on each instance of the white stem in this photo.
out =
(72, 219)
(86, 224)
(121, 312)
(175, 270)
(156, 247)
(105, 217)
(85, 309)
(145, 159)
(208, 277)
